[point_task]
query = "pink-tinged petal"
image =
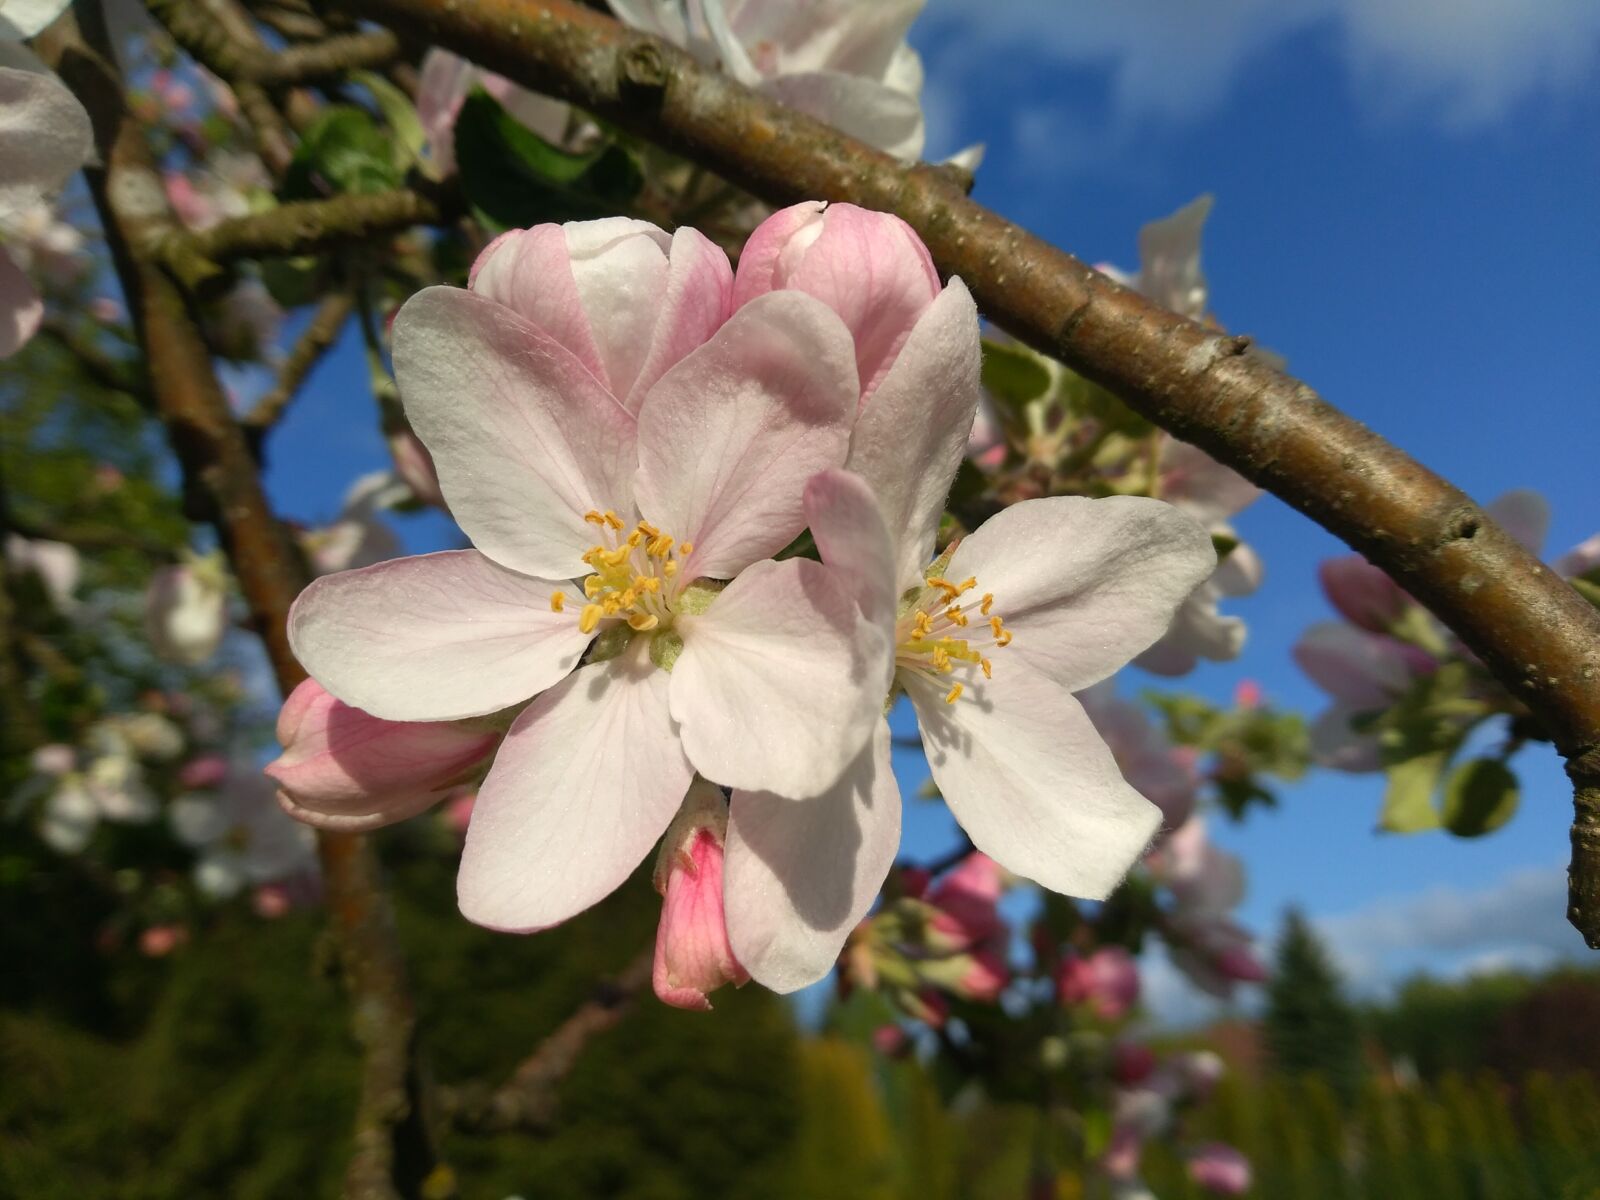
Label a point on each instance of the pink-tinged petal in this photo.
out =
(1524, 514)
(1362, 593)
(854, 542)
(1107, 981)
(869, 111)
(1205, 489)
(773, 251)
(1220, 1169)
(697, 299)
(693, 954)
(1366, 670)
(525, 440)
(436, 637)
(801, 874)
(1083, 584)
(1029, 779)
(442, 86)
(620, 268)
(530, 272)
(781, 681)
(342, 768)
(587, 779)
(1169, 259)
(1336, 743)
(44, 137)
(912, 435)
(729, 436)
(1198, 631)
(21, 307)
(28, 18)
(1580, 560)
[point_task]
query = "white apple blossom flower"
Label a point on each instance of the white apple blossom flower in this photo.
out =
(102, 781)
(55, 564)
(186, 609)
(616, 446)
(241, 836)
(443, 85)
(358, 536)
(842, 61)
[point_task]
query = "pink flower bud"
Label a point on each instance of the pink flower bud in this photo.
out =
(1107, 981)
(1121, 1160)
(1247, 694)
(458, 812)
(1240, 964)
(344, 769)
(869, 267)
(1220, 1169)
(414, 465)
(207, 771)
(890, 1040)
(1131, 1063)
(158, 941)
(271, 901)
(967, 899)
(1363, 594)
(985, 977)
(693, 956)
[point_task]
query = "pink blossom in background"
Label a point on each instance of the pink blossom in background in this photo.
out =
(1161, 772)
(414, 465)
(443, 85)
(1106, 980)
(967, 899)
(207, 771)
(1131, 1063)
(342, 769)
(1361, 672)
(185, 610)
(1220, 1169)
(1362, 593)
(1247, 694)
(693, 957)
(890, 1041)
(158, 941)
(271, 901)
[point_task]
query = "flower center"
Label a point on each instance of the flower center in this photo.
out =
(633, 575)
(940, 636)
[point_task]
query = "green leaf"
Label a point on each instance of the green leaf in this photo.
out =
(344, 150)
(1479, 797)
(1013, 375)
(1588, 588)
(513, 178)
(400, 113)
(1093, 402)
(1408, 800)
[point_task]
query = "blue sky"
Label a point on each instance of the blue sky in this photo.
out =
(1406, 199)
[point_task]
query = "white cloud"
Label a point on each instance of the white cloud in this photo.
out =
(1466, 62)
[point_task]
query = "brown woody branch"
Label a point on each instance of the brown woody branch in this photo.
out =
(528, 1100)
(393, 1153)
(1541, 640)
(318, 338)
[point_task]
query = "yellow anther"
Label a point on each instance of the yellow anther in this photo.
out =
(953, 694)
(685, 549)
(660, 547)
(1004, 638)
(941, 660)
(615, 558)
(988, 668)
(997, 625)
(954, 614)
(669, 569)
(643, 621)
(613, 520)
(988, 603)
(590, 617)
(592, 586)
(558, 601)
(649, 529)
(595, 517)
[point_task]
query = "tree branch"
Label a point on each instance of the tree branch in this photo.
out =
(1537, 635)
(393, 1152)
(528, 1100)
(318, 338)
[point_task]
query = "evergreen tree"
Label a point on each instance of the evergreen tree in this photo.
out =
(1310, 1027)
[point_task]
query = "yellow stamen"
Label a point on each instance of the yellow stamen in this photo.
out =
(988, 603)
(669, 569)
(590, 617)
(988, 668)
(649, 529)
(558, 601)
(613, 520)
(685, 549)
(594, 517)
(954, 613)
(643, 621)
(953, 695)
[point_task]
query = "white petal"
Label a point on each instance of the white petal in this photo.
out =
(780, 682)
(1030, 780)
(586, 781)
(853, 539)
(1085, 584)
(28, 18)
(620, 268)
(44, 137)
(435, 637)
(729, 436)
(525, 439)
(21, 308)
(1524, 514)
(912, 434)
(697, 299)
(800, 874)
(881, 116)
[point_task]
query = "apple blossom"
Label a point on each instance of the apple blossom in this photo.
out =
(692, 954)
(54, 564)
(841, 61)
(357, 537)
(1163, 773)
(185, 609)
(104, 781)
(414, 465)
(967, 901)
(1107, 981)
(596, 415)
(1362, 672)
(443, 85)
(44, 137)
(1207, 884)
(1219, 1169)
(1363, 594)
(240, 836)
(1169, 261)
(342, 769)
(1079, 585)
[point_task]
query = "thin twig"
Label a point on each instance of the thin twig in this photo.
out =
(1538, 636)
(528, 1099)
(318, 337)
(393, 1151)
